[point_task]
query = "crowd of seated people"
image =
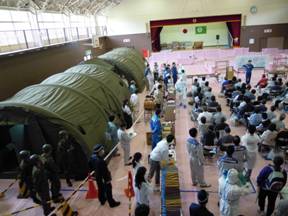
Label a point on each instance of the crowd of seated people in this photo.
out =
(249, 107)
(266, 131)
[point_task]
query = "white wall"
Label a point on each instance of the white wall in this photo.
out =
(175, 33)
(131, 16)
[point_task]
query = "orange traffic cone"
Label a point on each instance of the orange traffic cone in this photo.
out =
(92, 192)
(129, 192)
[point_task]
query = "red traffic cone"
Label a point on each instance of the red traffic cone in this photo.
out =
(92, 192)
(129, 192)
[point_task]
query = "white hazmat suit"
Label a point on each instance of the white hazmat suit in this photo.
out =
(181, 89)
(231, 193)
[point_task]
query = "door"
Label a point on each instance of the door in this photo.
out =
(263, 43)
(275, 42)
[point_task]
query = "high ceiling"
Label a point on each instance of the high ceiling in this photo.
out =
(66, 6)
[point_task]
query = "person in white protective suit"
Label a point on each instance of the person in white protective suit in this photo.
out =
(230, 193)
(134, 101)
(149, 76)
(195, 151)
(181, 89)
(182, 74)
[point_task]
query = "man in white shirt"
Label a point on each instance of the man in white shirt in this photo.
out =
(206, 114)
(251, 140)
(158, 154)
(218, 116)
(134, 101)
(124, 140)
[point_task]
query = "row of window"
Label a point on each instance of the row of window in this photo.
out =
(24, 30)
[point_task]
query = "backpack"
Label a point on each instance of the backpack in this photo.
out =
(275, 181)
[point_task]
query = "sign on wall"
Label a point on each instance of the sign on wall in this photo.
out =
(201, 29)
(95, 41)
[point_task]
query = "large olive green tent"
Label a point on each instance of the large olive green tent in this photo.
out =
(79, 100)
(100, 62)
(127, 62)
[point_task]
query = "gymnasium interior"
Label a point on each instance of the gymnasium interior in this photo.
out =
(69, 65)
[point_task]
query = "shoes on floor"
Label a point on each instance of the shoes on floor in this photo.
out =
(195, 184)
(156, 188)
(205, 185)
(115, 204)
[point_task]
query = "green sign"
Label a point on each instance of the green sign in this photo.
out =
(201, 29)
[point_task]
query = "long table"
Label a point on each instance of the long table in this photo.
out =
(170, 192)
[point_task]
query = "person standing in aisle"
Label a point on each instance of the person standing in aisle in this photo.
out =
(52, 171)
(159, 154)
(149, 77)
(156, 128)
(174, 73)
(182, 91)
(270, 181)
(250, 140)
(127, 114)
(40, 183)
(231, 193)
(195, 151)
(102, 176)
(134, 102)
(124, 140)
(112, 134)
(64, 155)
(159, 96)
(25, 176)
(142, 187)
(248, 71)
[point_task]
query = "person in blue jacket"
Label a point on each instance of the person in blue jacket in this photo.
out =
(156, 128)
(270, 181)
(248, 71)
(174, 73)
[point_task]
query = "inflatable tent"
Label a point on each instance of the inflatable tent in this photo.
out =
(127, 62)
(78, 100)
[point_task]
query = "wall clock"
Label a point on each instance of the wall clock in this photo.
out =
(253, 9)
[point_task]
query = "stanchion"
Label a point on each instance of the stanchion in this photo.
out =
(129, 192)
(2, 194)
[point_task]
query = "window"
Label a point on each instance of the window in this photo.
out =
(20, 30)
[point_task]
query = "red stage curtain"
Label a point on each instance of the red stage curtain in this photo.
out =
(180, 21)
(234, 29)
(155, 38)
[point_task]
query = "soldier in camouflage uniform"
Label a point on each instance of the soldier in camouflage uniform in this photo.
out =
(40, 182)
(52, 171)
(25, 176)
(64, 155)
